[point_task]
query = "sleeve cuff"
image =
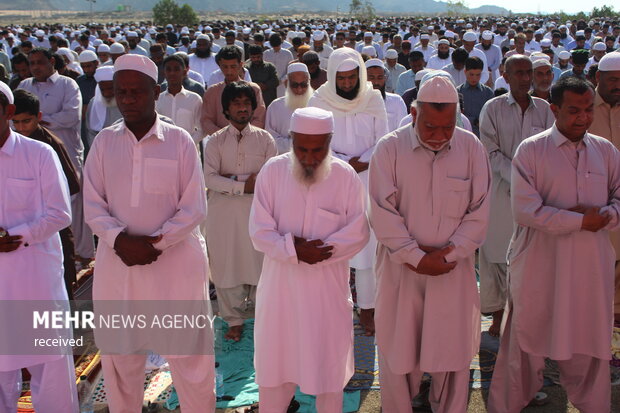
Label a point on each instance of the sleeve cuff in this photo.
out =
(238, 188)
(575, 220)
(24, 231)
(416, 255)
(289, 244)
(111, 234)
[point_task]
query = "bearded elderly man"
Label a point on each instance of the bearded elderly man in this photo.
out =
(565, 195)
(542, 76)
(298, 92)
(202, 60)
(360, 120)
(144, 197)
(394, 104)
(308, 218)
(102, 110)
(428, 230)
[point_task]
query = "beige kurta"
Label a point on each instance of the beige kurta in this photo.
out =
(417, 198)
(212, 118)
(562, 277)
(234, 261)
(503, 126)
(607, 124)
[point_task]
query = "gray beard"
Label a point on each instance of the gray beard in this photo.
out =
(293, 101)
(306, 176)
(110, 103)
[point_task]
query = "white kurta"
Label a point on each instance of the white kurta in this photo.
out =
(184, 109)
(278, 122)
(34, 203)
(396, 110)
(204, 66)
(304, 330)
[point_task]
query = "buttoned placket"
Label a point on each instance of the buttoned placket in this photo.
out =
(136, 174)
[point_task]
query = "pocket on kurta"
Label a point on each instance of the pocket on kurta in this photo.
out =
(458, 196)
(20, 193)
(160, 176)
(329, 222)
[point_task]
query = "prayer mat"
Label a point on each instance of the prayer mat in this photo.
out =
(157, 389)
(366, 374)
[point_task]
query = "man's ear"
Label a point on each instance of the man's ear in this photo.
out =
(555, 109)
(39, 116)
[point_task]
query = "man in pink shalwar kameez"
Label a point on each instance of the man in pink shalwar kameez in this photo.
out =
(565, 192)
(308, 217)
(429, 193)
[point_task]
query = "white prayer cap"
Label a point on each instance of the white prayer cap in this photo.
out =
(87, 56)
(203, 36)
(610, 62)
(6, 91)
(169, 26)
(370, 51)
(247, 30)
(391, 54)
(209, 28)
(424, 36)
(420, 74)
(348, 64)
(374, 63)
(487, 35)
(368, 34)
(131, 34)
(117, 48)
(539, 31)
(545, 43)
(312, 121)
(103, 48)
(470, 36)
(138, 63)
(39, 33)
(599, 47)
(430, 28)
(104, 74)
(296, 67)
(152, 31)
(539, 60)
(443, 41)
(318, 35)
(580, 33)
(468, 26)
(438, 89)
(562, 27)
(97, 42)
(565, 55)
(450, 34)
(185, 30)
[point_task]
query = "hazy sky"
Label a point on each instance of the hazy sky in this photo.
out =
(533, 6)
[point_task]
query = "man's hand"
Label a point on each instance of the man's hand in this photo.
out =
(313, 251)
(357, 165)
(593, 220)
(136, 249)
(578, 208)
(434, 263)
(248, 188)
(9, 243)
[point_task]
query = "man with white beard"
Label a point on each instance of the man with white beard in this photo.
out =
(360, 120)
(394, 104)
(308, 218)
(102, 110)
(298, 92)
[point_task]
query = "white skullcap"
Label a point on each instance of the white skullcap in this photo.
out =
(318, 36)
(348, 64)
(370, 51)
(470, 37)
(131, 34)
(374, 63)
(138, 63)
(424, 36)
(87, 56)
(312, 121)
(564, 55)
(562, 27)
(247, 30)
(39, 33)
(103, 48)
(487, 35)
(610, 62)
(97, 42)
(438, 89)
(104, 74)
(391, 54)
(152, 31)
(450, 34)
(169, 26)
(580, 33)
(539, 60)
(468, 26)
(599, 47)
(203, 36)
(6, 91)
(430, 28)
(539, 31)
(297, 67)
(208, 28)
(545, 43)
(117, 48)
(443, 41)
(420, 74)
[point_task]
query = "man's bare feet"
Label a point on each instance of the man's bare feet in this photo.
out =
(495, 328)
(367, 320)
(234, 333)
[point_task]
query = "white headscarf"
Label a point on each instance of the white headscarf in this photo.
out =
(98, 112)
(367, 100)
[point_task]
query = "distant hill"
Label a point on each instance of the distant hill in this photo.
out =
(243, 6)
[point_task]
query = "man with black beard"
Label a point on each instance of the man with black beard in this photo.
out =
(492, 52)
(360, 120)
(500, 36)
(318, 76)
(442, 58)
(202, 60)
(394, 104)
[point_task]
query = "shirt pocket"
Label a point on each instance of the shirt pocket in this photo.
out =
(160, 176)
(597, 188)
(327, 223)
(457, 198)
(21, 199)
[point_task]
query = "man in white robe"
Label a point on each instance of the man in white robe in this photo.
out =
(308, 218)
(394, 104)
(203, 58)
(565, 195)
(102, 110)
(144, 197)
(34, 207)
(360, 120)
(298, 92)
(429, 192)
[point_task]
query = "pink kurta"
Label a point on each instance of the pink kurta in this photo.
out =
(304, 326)
(422, 322)
(561, 277)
